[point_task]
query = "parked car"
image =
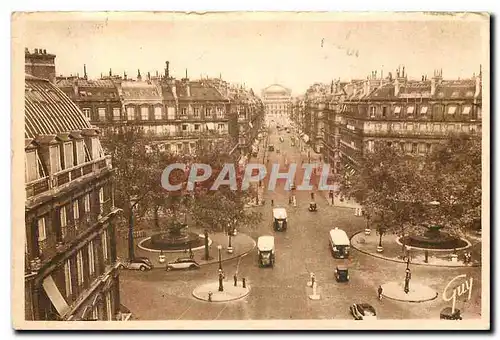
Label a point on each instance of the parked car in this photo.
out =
(363, 311)
(182, 263)
(139, 263)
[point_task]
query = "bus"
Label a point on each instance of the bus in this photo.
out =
(339, 243)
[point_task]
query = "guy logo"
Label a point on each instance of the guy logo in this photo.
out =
(457, 291)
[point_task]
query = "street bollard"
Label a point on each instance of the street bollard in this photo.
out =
(244, 283)
(210, 296)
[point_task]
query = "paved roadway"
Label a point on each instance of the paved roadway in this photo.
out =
(280, 292)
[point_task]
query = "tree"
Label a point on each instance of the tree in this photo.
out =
(455, 169)
(134, 168)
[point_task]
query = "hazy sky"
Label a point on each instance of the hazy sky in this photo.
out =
(259, 53)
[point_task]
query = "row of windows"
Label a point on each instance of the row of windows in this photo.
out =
(71, 214)
(84, 274)
(424, 127)
(62, 156)
(412, 147)
(173, 129)
(411, 110)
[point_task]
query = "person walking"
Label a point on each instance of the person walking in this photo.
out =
(379, 291)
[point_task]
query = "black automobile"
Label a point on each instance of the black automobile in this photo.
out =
(313, 207)
(446, 314)
(342, 274)
(363, 311)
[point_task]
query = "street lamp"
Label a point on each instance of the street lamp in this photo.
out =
(407, 272)
(219, 248)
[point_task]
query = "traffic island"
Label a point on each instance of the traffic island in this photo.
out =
(241, 245)
(210, 292)
(418, 292)
(392, 250)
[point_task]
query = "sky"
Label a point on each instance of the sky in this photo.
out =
(294, 53)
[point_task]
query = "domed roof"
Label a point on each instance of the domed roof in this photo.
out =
(276, 88)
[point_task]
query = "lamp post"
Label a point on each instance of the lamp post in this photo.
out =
(131, 247)
(407, 273)
(219, 248)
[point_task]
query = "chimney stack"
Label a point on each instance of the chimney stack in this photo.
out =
(139, 77)
(110, 73)
(167, 71)
(149, 76)
(84, 71)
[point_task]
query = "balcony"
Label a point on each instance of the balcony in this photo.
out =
(65, 177)
(410, 133)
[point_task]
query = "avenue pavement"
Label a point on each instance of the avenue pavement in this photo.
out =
(281, 292)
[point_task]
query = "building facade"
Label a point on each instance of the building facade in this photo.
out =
(71, 269)
(277, 102)
(350, 118)
(40, 64)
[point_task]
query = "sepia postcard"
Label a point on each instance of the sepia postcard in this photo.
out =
(246, 170)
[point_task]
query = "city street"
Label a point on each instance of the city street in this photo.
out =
(281, 292)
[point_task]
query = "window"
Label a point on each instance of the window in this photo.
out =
(31, 166)
(67, 278)
(384, 111)
(101, 195)
(116, 113)
(76, 211)
(196, 112)
(144, 113)
(414, 147)
(372, 111)
(91, 258)
(80, 152)
(183, 111)
(170, 112)
(86, 203)
(109, 310)
(409, 127)
(130, 113)
(157, 112)
(196, 127)
(208, 112)
(68, 155)
(423, 127)
(184, 127)
(102, 114)
(221, 127)
(451, 127)
(42, 231)
(466, 110)
(479, 112)
(105, 244)
(55, 159)
(437, 127)
(97, 151)
(410, 109)
(79, 267)
(422, 148)
(423, 110)
(452, 110)
(371, 145)
(397, 110)
(86, 112)
(95, 313)
(397, 126)
(63, 217)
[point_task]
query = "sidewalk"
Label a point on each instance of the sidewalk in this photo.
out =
(241, 243)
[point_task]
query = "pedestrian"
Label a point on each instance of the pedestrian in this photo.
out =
(379, 291)
(191, 254)
(235, 277)
(272, 203)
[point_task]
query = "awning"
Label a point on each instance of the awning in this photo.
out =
(55, 295)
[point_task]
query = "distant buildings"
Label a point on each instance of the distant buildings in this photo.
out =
(345, 119)
(177, 114)
(71, 271)
(277, 102)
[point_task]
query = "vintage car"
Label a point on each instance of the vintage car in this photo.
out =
(266, 251)
(182, 263)
(138, 263)
(341, 273)
(280, 219)
(363, 311)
